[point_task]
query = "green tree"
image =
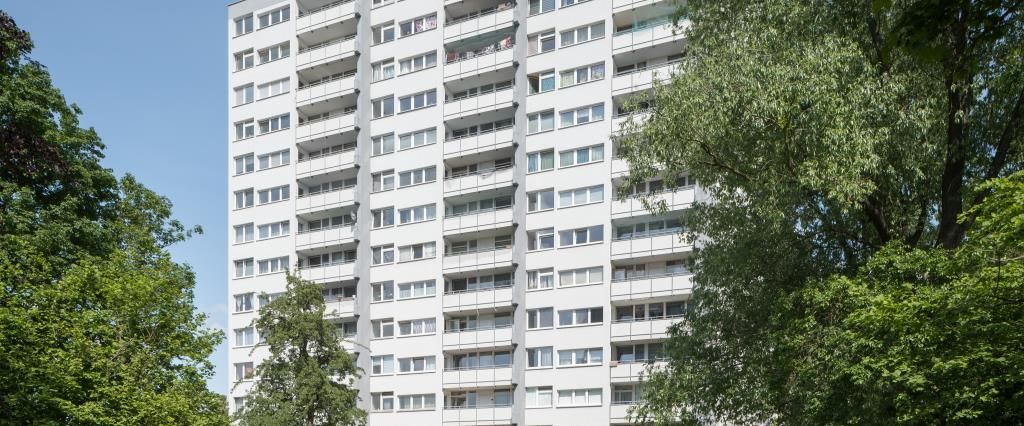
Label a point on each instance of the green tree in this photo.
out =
(308, 378)
(847, 148)
(97, 323)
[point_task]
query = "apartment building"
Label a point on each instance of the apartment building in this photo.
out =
(444, 169)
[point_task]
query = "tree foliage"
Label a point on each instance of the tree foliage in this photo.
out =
(97, 322)
(308, 378)
(845, 272)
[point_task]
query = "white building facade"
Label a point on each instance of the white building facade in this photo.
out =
(444, 169)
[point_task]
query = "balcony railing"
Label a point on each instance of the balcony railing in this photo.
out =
(479, 22)
(639, 117)
(316, 164)
(632, 371)
(479, 414)
(642, 329)
(339, 122)
(326, 89)
(340, 307)
(479, 180)
(477, 259)
(460, 64)
(478, 142)
(329, 12)
(478, 219)
(479, 102)
(323, 237)
(677, 199)
(477, 337)
(652, 285)
(640, 79)
(478, 298)
(326, 51)
(492, 375)
(328, 272)
(649, 34)
(324, 200)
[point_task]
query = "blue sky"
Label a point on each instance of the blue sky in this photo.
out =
(151, 77)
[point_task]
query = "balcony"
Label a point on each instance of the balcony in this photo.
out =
(324, 237)
(651, 286)
(488, 298)
(649, 244)
(478, 181)
(473, 377)
(464, 64)
(342, 85)
(479, 259)
(478, 220)
(477, 338)
(679, 199)
(645, 329)
(623, 5)
(619, 411)
(323, 16)
(634, 81)
(328, 51)
(316, 165)
(482, 102)
(620, 167)
(478, 23)
(479, 415)
(481, 142)
(646, 36)
(637, 117)
(323, 127)
(344, 307)
(630, 372)
(308, 203)
(330, 272)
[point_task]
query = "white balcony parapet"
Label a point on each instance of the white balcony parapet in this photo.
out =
(639, 117)
(478, 299)
(634, 371)
(478, 220)
(650, 244)
(645, 329)
(495, 375)
(650, 35)
(322, 127)
(319, 164)
(619, 410)
(477, 143)
(679, 199)
(330, 272)
(470, 63)
(327, 51)
(477, 338)
(312, 19)
(307, 203)
(479, 23)
(652, 285)
(322, 90)
(340, 307)
(478, 415)
(481, 102)
(632, 81)
(478, 259)
(324, 237)
(478, 181)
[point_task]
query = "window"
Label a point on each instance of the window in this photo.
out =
(275, 16)
(270, 266)
(648, 229)
(382, 364)
(416, 402)
(383, 33)
(418, 100)
(383, 291)
(582, 34)
(581, 196)
(472, 207)
(383, 181)
(579, 397)
(541, 42)
(582, 115)
(244, 371)
(243, 25)
(571, 317)
(243, 302)
(626, 394)
(538, 357)
(416, 63)
(417, 214)
(541, 6)
(334, 185)
(582, 75)
(416, 252)
(418, 25)
(541, 239)
(327, 223)
(274, 53)
(416, 364)
(244, 198)
(541, 82)
(244, 233)
(245, 129)
(418, 176)
(383, 401)
(416, 327)
(480, 129)
(581, 276)
(330, 258)
(245, 59)
(245, 94)
(383, 107)
(274, 124)
(244, 268)
(244, 164)
(540, 278)
(578, 236)
(540, 318)
(245, 336)
(383, 254)
(383, 144)
(540, 200)
(325, 151)
(540, 161)
(567, 3)
(275, 194)
(577, 357)
(574, 157)
(275, 159)
(383, 70)
(274, 88)
(276, 229)
(656, 310)
(540, 122)
(639, 352)
(383, 328)
(383, 217)
(537, 397)
(420, 138)
(417, 289)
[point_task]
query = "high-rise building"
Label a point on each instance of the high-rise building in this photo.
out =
(444, 169)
